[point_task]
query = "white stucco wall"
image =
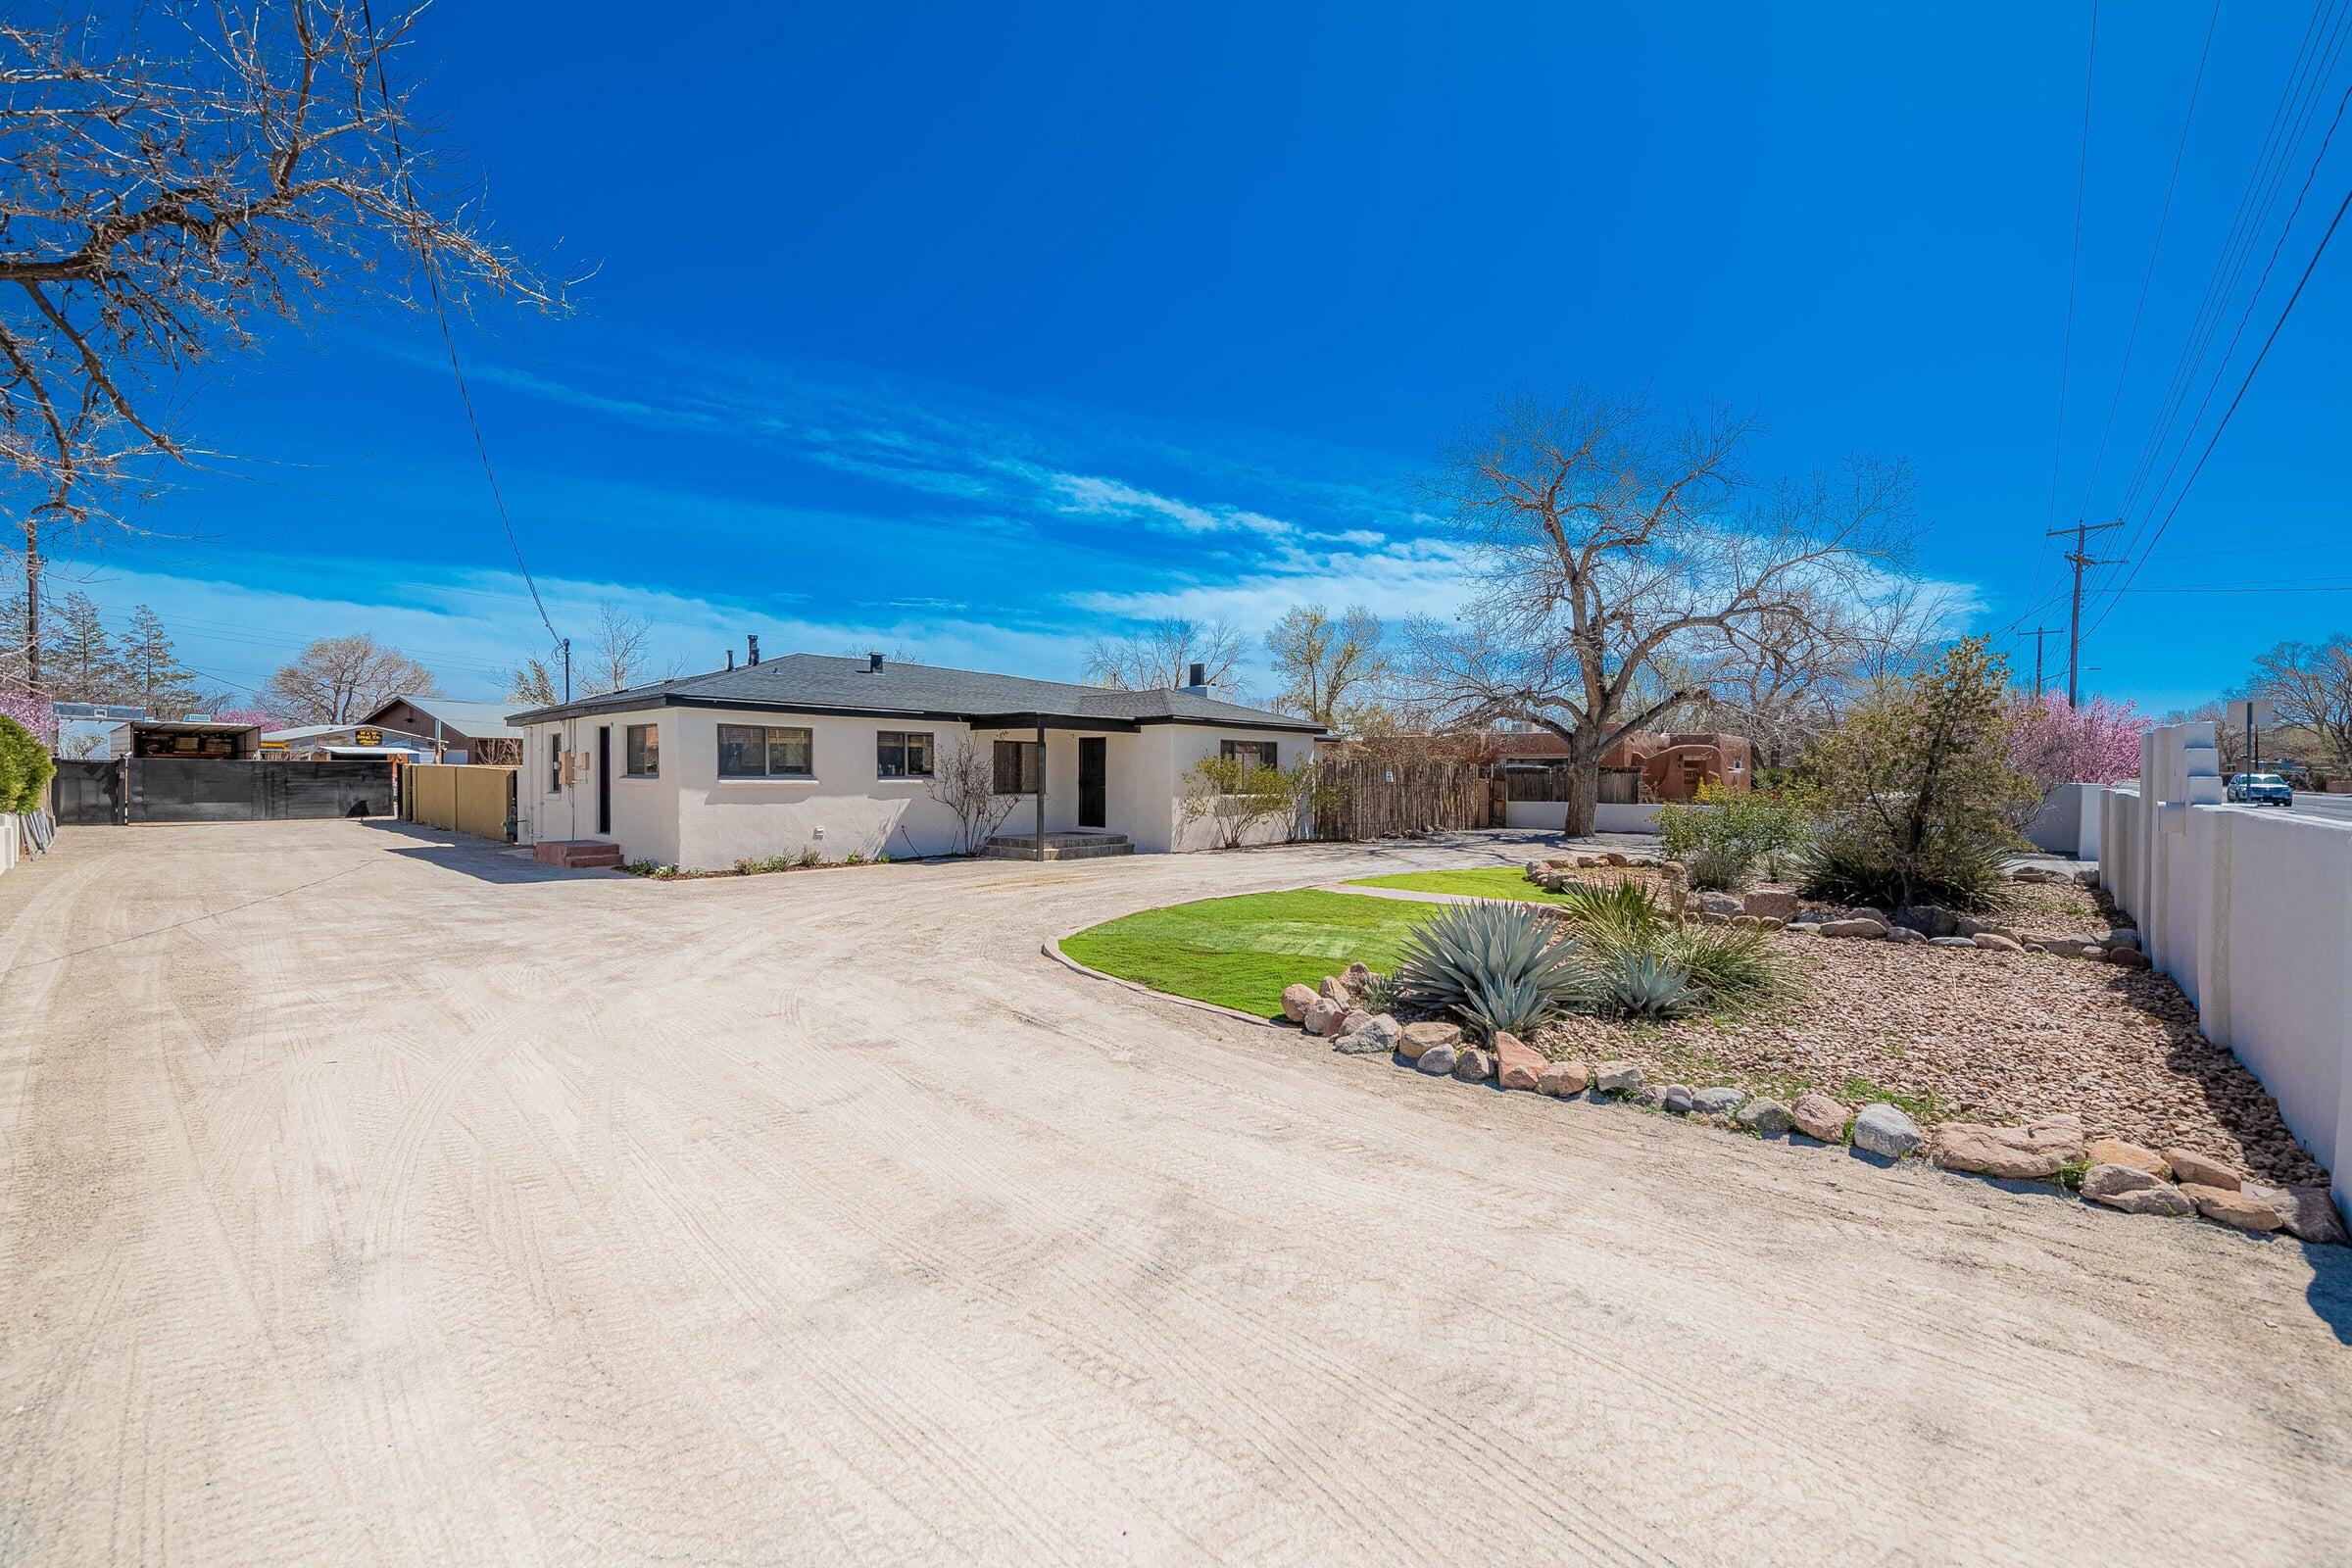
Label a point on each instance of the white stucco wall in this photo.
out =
(1188, 744)
(2250, 911)
(691, 818)
(2067, 823)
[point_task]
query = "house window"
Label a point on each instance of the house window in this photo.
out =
(1249, 754)
(645, 751)
(554, 763)
(1017, 767)
(903, 753)
(764, 751)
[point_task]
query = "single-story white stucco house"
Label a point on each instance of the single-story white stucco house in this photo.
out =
(839, 755)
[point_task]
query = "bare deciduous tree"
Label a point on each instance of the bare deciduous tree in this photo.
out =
(532, 683)
(618, 649)
(2310, 688)
(963, 779)
(1325, 663)
(1612, 546)
(172, 177)
(338, 680)
(1163, 654)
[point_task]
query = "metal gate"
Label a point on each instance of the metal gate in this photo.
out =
(185, 789)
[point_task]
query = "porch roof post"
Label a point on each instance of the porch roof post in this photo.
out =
(1041, 786)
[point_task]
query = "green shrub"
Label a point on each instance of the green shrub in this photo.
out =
(1497, 967)
(1719, 868)
(1731, 966)
(26, 768)
(1381, 995)
(1744, 827)
(1856, 862)
(809, 857)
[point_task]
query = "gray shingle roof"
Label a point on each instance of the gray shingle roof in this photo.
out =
(817, 683)
(479, 720)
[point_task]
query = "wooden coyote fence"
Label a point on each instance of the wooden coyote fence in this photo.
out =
(1365, 798)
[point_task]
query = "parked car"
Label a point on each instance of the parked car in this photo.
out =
(2261, 789)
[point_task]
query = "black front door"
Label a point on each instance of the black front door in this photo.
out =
(1094, 767)
(604, 778)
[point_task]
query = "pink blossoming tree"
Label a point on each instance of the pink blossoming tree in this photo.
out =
(2054, 743)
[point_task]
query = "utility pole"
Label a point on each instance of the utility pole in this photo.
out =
(2037, 634)
(567, 669)
(2081, 556)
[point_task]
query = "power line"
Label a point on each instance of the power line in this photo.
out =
(2276, 327)
(2155, 249)
(2074, 267)
(449, 341)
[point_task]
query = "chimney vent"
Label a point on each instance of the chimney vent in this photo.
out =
(751, 644)
(730, 658)
(1195, 675)
(873, 664)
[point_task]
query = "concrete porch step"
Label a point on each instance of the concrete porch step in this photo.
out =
(1058, 845)
(577, 855)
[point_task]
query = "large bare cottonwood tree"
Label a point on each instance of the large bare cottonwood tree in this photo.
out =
(1620, 556)
(174, 176)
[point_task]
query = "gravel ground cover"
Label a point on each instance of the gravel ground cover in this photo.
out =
(1974, 1036)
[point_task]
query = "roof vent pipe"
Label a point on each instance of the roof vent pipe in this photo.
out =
(873, 664)
(730, 658)
(750, 644)
(1195, 675)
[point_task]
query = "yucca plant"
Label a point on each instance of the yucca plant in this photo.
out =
(1729, 966)
(1628, 907)
(1642, 985)
(1380, 996)
(1497, 967)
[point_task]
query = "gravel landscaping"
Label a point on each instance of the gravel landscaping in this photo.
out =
(1967, 1034)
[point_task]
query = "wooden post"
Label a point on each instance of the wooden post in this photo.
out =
(1041, 788)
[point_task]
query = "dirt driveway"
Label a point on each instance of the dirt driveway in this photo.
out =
(370, 1198)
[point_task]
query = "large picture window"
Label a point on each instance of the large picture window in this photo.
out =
(903, 753)
(645, 751)
(1249, 754)
(1017, 767)
(765, 750)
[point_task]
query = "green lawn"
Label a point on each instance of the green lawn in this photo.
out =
(1478, 882)
(1239, 953)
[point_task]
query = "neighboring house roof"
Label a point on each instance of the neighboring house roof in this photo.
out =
(311, 732)
(814, 683)
(480, 721)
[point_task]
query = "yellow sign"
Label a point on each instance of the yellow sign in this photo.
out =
(273, 748)
(366, 737)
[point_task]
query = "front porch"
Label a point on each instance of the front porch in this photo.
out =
(1057, 845)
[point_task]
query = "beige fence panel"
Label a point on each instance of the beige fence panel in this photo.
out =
(463, 797)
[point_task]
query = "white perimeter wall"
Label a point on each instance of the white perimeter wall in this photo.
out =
(2068, 821)
(12, 837)
(1606, 817)
(2250, 911)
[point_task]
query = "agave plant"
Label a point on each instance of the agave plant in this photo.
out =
(1641, 985)
(1497, 966)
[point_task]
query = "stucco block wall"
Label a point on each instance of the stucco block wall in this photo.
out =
(2250, 911)
(645, 814)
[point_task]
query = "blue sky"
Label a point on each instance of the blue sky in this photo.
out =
(972, 334)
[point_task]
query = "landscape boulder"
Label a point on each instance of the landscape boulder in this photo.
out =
(1769, 905)
(1473, 1065)
(1324, 1017)
(1376, 1036)
(1996, 941)
(1902, 933)
(2128, 957)
(1858, 926)
(2104, 1181)
(2124, 936)
(2234, 1206)
(1617, 1078)
(2164, 1199)
(1927, 919)
(1420, 1037)
(1517, 1064)
(2035, 1151)
(1563, 1079)
(1817, 1115)
(2115, 1151)
(1721, 905)
(1676, 1098)
(2188, 1167)
(2308, 1214)
(1952, 942)
(1335, 989)
(1437, 1060)
(1767, 1116)
(1720, 1100)
(1352, 1019)
(1295, 1000)
(1885, 1131)
(1357, 978)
